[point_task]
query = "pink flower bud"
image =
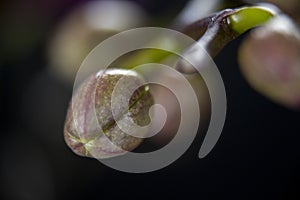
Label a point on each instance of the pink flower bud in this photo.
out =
(90, 128)
(270, 61)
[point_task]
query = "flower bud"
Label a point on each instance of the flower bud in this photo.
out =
(270, 60)
(86, 26)
(91, 129)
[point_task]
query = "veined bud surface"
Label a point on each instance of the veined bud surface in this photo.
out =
(91, 129)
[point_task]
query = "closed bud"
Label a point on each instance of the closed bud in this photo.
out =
(91, 129)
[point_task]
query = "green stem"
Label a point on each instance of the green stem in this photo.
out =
(249, 17)
(212, 33)
(225, 27)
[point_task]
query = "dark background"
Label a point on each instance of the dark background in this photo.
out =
(257, 156)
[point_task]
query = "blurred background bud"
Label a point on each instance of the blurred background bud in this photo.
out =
(87, 26)
(270, 61)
